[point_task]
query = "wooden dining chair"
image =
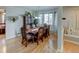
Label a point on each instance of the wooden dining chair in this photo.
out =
(40, 34)
(48, 30)
(26, 37)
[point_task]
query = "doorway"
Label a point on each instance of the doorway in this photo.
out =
(2, 24)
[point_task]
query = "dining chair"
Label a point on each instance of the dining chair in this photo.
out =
(40, 34)
(26, 36)
(24, 39)
(48, 30)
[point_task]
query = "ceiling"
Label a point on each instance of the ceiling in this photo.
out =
(32, 7)
(39, 7)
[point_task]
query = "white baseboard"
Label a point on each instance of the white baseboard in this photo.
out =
(13, 37)
(59, 50)
(72, 41)
(75, 36)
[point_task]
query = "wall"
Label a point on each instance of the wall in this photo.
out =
(72, 16)
(0, 18)
(13, 28)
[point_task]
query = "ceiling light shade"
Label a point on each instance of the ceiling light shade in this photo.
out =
(64, 18)
(2, 11)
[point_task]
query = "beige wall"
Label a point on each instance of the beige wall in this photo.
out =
(0, 18)
(72, 18)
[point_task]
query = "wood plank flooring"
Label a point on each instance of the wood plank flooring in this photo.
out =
(2, 43)
(15, 46)
(2, 36)
(48, 46)
(2, 46)
(70, 46)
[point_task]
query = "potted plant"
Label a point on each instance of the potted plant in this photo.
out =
(27, 13)
(13, 18)
(35, 21)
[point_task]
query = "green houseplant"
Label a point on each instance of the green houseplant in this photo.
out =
(13, 18)
(27, 13)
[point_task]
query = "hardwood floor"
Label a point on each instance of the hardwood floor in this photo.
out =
(70, 46)
(2, 46)
(15, 46)
(2, 43)
(48, 46)
(2, 36)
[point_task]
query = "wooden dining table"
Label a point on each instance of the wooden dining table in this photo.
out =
(33, 30)
(32, 33)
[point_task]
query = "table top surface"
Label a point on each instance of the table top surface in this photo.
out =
(33, 30)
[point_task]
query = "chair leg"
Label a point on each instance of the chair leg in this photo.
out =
(26, 43)
(23, 41)
(37, 42)
(45, 35)
(33, 40)
(42, 39)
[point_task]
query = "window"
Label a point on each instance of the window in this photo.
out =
(40, 19)
(46, 18)
(50, 19)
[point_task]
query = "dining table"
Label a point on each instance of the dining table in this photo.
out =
(33, 30)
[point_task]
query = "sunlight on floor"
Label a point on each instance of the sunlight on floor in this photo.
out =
(2, 46)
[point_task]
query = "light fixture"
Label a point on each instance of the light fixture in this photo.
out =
(2, 11)
(63, 18)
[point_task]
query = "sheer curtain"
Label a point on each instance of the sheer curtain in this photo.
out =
(40, 21)
(50, 19)
(46, 18)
